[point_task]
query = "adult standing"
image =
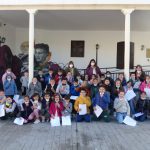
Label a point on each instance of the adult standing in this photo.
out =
(92, 68)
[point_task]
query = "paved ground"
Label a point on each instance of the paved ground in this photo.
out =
(89, 136)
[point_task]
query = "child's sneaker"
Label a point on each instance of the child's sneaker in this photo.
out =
(36, 121)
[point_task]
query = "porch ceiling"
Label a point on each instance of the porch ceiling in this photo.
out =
(78, 19)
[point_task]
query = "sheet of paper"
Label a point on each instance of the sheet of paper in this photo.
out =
(83, 109)
(138, 114)
(129, 121)
(55, 122)
(19, 121)
(66, 120)
(16, 98)
(98, 111)
(130, 95)
(147, 90)
(73, 97)
(2, 111)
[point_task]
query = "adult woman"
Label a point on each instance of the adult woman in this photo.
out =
(92, 68)
(72, 69)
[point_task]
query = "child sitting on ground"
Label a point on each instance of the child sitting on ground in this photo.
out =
(122, 107)
(27, 109)
(46, 101)
(35, 115)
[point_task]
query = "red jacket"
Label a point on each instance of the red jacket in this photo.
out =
(53, 108)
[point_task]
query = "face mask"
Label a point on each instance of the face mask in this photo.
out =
(26, 103)
(138, 71)
(34, 83)
(118, 86)
(47, 100)
(8, 72)
(92, 64)
(8, 79)
(95, 84)
(108, 75)
(35, 102)
(71, 65)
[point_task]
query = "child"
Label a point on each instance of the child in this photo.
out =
(51, 88)
(122, 79)
(142, 106)
(69, 78)
(27, 109)
(102, 99)
(2, 97)
(24, 81)
(94, 88)
(46, 101)
(131, 102)
(10, 87)
(35, 115)
(10, 107)
(67, 106)
(122, 107)
(145, 86)
(83, 99)
(63, 88)
(56, 107)
(74, 89)
(117, 87)
(59, 76)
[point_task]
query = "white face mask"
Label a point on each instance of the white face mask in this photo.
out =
(71, 65)
(92, 64)
(138, 71)
(8, 72)
(8, 79)
(47, 100)
(108, 75)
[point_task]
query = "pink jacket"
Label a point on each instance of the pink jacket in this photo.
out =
(53, 108)
(144, 85)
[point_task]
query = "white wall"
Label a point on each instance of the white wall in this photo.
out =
(59, 43)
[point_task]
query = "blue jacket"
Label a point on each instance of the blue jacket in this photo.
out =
(73, 91)
(103, 101)
(10, 87)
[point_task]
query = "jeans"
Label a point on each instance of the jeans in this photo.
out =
(141, 118)
(120, 116)
(86, 118)
(132, 106)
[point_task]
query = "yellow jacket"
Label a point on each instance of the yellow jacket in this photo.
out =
(82, 100)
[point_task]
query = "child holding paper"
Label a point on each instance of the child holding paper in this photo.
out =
(11, 108)
(46, 101)
(122, 107)
(27, 109)
(102, 99)
(80, 101)
(131, 102)
(56, 107)
(142, 107)
(67, 106)
(145, 86)
(35, 115)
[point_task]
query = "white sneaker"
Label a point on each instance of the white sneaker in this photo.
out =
(36, 121)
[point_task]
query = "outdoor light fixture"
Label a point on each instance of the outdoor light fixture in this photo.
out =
(2, 40)
(97, 47)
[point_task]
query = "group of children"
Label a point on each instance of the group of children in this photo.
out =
(49, 96)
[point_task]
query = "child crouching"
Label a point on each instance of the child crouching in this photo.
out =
(46, 101)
